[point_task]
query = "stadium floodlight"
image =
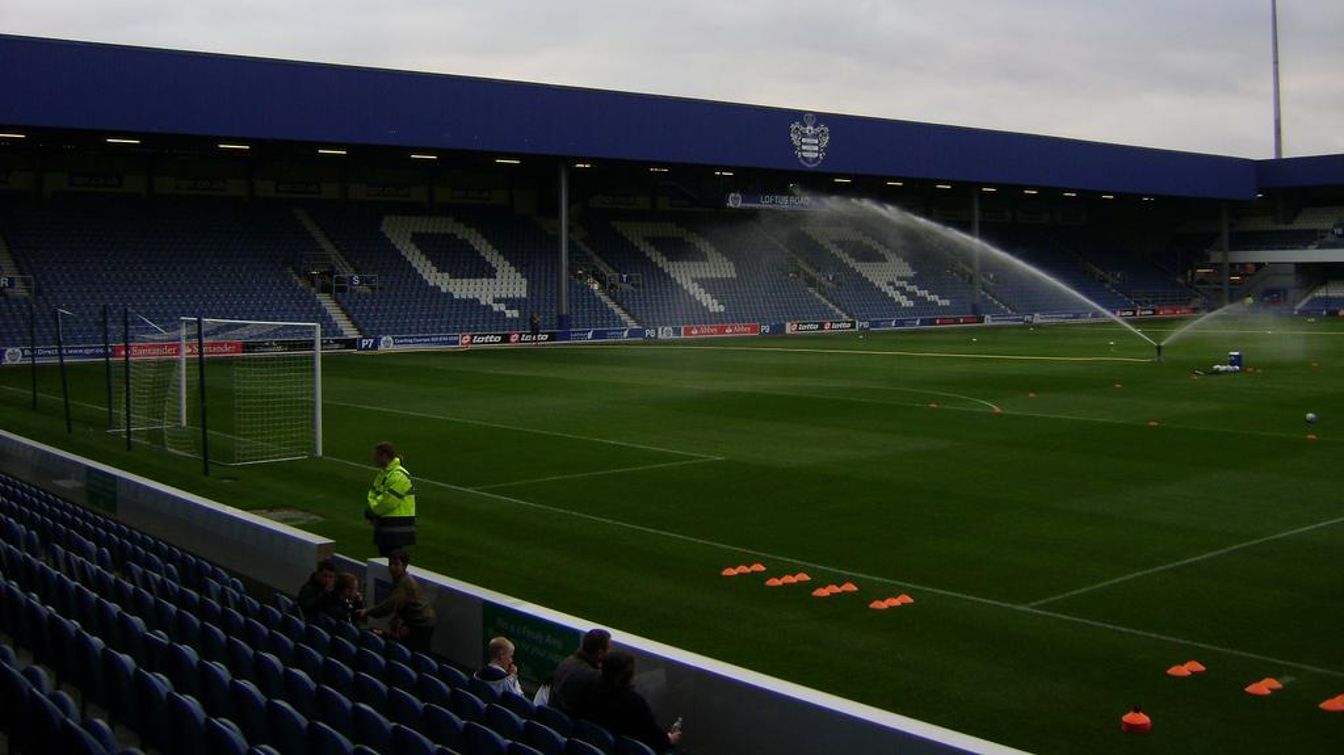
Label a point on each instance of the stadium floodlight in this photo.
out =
(1147, 199)
(508, 161)
(121, 140)
(942, 186)
(843, 180)
(1030, 191)
(583, 165)
(1108, 196)
(988, 189)
(13, 136)
(1070, 193)
(723, 173)
(420, 156)
(657, 170)
(895, 183)
(325, 151)
(226, 145)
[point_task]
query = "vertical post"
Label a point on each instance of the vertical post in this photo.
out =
(977, 282)
(562, 315)
(107, 365)
(65, 383)
(1274, 33)
(1224, 244)
(32, 347)
(126, 368)
(317, 389)
(200, 355)
(182, 371)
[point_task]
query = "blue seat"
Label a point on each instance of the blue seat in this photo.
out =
(342, 650)
(556, 719)
(484, 691)
(346, 631)
(216, 696)
(300, 691)
(503, 721)
(257, 634)
(128, 636)
(398, 674)
(520, 706)
(453, 676)
(269, 615)
(593, 734)
(74, 740)
(442, 725)
(186, 724)
(214, 645)
(371, 728)
(89, 667)
(395, 651)
(424, 664)
(338, 676)
(309, 660)
(188, 628)
(371, 641)
(542, 737)
(293, 627)
(154, 647)
(102, 733)
(314, 637)
(481, 740)
(333, 708)
(467, 706)
(371, 692)
(270, 675)
(211, 611)
(289, 728)
(14, 691)
(408, 741)
(518, 748)
(370, 663)
(165, 614)
(431, 689)
(225, 737)
(232, 622)
(281, 646)
(119, 675)
(242, 660)
(179, 664)
(250, 706)
(628, 746)
(151, 692)
(404, 708)
(325, 740)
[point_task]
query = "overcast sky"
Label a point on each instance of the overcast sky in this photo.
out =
(1181, 74)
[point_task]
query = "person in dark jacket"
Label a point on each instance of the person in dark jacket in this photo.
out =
(413, 618)
(574, 684)
(624, 711)
(318, 594)
(348, 600)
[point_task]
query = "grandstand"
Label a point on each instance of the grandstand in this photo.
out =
(362, 203)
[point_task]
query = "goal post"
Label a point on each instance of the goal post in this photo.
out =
(247, 391)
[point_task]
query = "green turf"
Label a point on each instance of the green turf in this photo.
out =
(823, 454)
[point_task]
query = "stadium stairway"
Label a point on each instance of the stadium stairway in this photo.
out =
(114, 640)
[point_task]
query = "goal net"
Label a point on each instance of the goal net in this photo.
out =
(228, 391)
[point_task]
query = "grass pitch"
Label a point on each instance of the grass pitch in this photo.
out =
(1071, 517)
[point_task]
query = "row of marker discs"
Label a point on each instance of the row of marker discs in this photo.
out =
(880, 604)
(1262, 688)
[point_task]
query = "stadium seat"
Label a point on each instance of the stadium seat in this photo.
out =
(467, 706)
(74, 740)
(443, 726)
(338, 676)
(543, 738)
(151, 692)
(431, 689)
(270, 675)
(333, 708)
(398, 674)
(185, 724)
(485, 692)
(370, 728)
(480, 740)
(179, 664)
(396, 652)
(593, 734)
(281, 646)
(371, 692)
(342, 650)
(289, 729)
(520, 706)
(102, 733)
(225, 737)
(408, 741)
(325, 740)
(250, 705)
(216, 695)
(452, 676)
(580, 747)
(518, 748)
(119, 675)
(404, 708)
(300, 691)
(242, 661)
(556, 719)
(628, 746)
(503, 721)
(370, 663)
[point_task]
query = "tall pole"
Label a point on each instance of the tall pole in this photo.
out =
(107, 364)
(32, 347)
(126, 368)
(562, 315)
(1278, 122)
(200, 355)
(65, 382)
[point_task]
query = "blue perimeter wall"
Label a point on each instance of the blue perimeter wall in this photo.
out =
(112, 88)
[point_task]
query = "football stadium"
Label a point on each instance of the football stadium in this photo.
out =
(857, 435)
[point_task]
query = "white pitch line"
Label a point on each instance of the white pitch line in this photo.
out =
(521, 429)
(1184, 561)
(899, 583)
(875, 352)
(596, 473)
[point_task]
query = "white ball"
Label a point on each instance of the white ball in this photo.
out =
(1311, 418)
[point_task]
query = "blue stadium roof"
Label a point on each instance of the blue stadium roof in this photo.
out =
(112, 88)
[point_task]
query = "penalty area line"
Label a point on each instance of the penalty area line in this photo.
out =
(886, 580)
(877, 352)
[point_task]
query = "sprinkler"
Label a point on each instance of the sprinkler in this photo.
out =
(1158, 346)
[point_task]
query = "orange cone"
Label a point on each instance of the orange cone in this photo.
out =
(821, 592)
(1195, 667)
(849, 587)
(1135, 722)
(1311, 436)
(933, 406)
(729, 572)
(1118, 385)
(893, 602)
(1153, 423)
(1257, 689)
(757, 567)
(998, 410)
(905, 599)
(878, 605)
(743, 569)
(773, 582)
(1032, 394)
(1271, 683)
(831, 589)
(1334, 704)
(787, 579)
(802, 577)
(1178, 671)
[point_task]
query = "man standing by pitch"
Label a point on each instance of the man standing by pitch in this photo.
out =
(391, 502)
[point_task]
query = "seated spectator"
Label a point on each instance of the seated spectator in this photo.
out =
(574, 684)
(348, 600)
(501, 674)
(624, 711)
(413, 617)
(319, 592)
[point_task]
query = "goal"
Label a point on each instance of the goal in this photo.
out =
(227, 391)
